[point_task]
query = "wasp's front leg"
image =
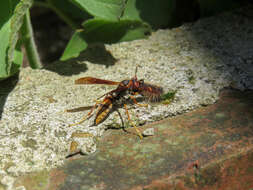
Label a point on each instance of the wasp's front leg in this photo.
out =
(135, 101)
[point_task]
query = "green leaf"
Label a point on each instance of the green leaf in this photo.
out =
(99, 30)
(104, 31)
(70, 9)
(157, 13)
(5, 14)
(106, 9)
(16, 23)
(4, 39)
(6, 11)
(11, 19)
(75, 46)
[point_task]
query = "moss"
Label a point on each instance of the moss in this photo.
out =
(168, 97)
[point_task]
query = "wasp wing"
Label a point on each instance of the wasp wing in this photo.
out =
(92, 80)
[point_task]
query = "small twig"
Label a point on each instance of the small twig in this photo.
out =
(29, 43)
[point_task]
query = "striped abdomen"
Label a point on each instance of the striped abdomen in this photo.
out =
(151, 92)
(103, 110)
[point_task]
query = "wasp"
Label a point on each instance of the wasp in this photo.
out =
(117, 97)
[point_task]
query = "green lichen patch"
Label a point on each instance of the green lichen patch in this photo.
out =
(168, 97)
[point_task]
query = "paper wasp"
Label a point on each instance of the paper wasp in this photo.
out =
(117, 97)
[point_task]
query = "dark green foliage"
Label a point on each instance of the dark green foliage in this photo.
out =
(11, 57)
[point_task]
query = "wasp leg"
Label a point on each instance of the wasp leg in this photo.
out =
(79, 109)
(128, 116)
(85, 117)
(135, 101)
(98, 101)
(74, 145)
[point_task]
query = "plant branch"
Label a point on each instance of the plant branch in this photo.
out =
(28, 41)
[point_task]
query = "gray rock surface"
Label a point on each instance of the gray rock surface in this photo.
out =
(197, 60)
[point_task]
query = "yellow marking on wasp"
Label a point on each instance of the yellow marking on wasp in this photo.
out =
(102, 115)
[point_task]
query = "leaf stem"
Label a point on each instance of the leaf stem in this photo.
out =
(29, 43)
(49, 4)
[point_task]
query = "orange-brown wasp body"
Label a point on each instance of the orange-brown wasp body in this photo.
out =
(114, 99)
(117, 96)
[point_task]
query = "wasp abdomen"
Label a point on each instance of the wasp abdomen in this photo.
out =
(103, 111)
(151, 92)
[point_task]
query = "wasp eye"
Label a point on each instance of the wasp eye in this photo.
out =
(125, 82)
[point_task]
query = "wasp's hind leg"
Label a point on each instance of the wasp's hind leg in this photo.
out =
(85, 117)
(128, 116)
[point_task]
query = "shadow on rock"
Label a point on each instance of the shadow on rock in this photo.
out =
(96, 54)
(229, 39)
(67, 68)
(7, 86)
